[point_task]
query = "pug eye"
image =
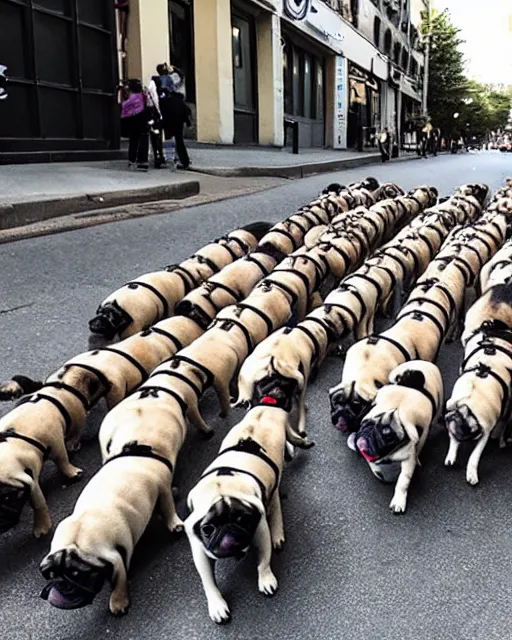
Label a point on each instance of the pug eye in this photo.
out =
(74, 573)
(20, 493)
(386, 431)
(208, 529)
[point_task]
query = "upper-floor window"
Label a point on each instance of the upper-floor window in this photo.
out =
(376, 31)
(396, 53)
(414, 67)
(387, 41)
(405, 60)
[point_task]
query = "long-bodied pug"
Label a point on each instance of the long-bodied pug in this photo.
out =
(498, 270)
(236, 503)
(95, 543)
(280, 368)
(393, 432)
(479, 406)
(50, 422)
(152, 296)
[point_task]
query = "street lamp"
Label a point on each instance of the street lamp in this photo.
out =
(428, 37)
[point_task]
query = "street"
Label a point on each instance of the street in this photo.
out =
(349, 569)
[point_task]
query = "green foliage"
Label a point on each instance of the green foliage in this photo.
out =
(480, 108)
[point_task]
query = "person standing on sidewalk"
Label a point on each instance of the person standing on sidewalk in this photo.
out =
(384, 144)
(163, 89)
(134, 124)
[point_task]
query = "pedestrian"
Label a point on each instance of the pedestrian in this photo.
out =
(134, 124)
(175, 113)
(384, 144)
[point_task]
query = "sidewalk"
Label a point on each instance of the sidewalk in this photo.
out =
(63, 188)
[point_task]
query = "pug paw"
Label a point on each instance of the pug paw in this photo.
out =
(42, 528)
(449, 461)
(73, 447)
(472, 476)
(119, 608)
(398, 504)
(278, 544)
(219, 611)
(267, 583)
(176, 525)
(75, 477)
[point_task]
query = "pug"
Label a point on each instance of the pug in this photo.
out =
(152, 297)
(393, 432)
(498, 270)
(281, 366)
(95, 543)
(236, 503)
(496, 303)
(50, 422)
(479, 406)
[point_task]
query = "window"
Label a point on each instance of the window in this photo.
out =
(396, 53)
(237, 48)
(303, 83)
(376, 31)
(405, 60)
(387, 42)
(414, 67)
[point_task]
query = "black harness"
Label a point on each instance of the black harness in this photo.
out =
(10, 433)
(397, 260)
(250, 447)
(375, 339)
(186, 277)
(179, 376)
(313, 338)
(330, 331)
(165, 305)
(67, 387)
(267, 284)
(228, 324)
(288, 235)
(371, 281)
(152, 391)
(204, 260)
(419, 315)
(489, 349)
(355, 292)
(243, 245)
(136, 450)
(259, 313)
(426, 393)
(261, 267)
(161, 332)
(36, 397)
(346, 259)
(129, 358)
(482, 371)
(434, 303)
(209, 375)
(348, 310)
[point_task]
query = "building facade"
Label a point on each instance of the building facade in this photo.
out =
(343, 69)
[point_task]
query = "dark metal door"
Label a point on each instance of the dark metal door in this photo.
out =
(244, 79)
(182, 43)
(62, 75)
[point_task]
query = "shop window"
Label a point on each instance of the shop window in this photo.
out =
(318, 88)
(387, 42)
(405, 60)
(376, 31)
(396, 53)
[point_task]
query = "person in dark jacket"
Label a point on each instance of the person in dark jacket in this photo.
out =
(172, 108)
(134, 124)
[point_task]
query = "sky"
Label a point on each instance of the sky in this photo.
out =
(487, 28)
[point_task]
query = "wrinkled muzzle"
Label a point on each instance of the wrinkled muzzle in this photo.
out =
(347, 413)
(229, 541)
(64, 594)
(463, 429)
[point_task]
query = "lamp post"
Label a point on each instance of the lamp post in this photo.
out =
(427, 36)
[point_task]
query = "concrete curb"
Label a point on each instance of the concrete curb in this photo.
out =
(21, 213)
(298, 170)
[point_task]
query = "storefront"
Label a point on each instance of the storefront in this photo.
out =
(61, 76)
(245, 74)
(303, 83)
(364, 108)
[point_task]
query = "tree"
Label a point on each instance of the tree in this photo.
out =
(447, 84)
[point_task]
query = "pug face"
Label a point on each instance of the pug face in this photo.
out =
(380, 436)
(347, 408)
(228, 528)
(478, 191)
(74, 582)
(462, 424)
(110, 320)
(13, 498)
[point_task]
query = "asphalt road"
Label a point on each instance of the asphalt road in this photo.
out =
(350, 569)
